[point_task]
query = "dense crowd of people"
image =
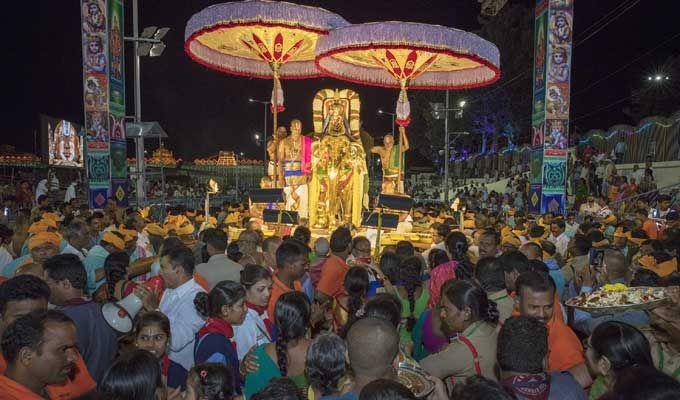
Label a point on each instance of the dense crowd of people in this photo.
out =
(216, 309)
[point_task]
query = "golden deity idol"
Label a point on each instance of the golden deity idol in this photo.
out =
(338, 188)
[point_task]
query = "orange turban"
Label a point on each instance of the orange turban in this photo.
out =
(42, 238)
(176, 220)
(660, 268)
(128, 233)
(519, 232)
(37, 227)
(144, 212)
(49, 222)
(156, 230)
(511, 240)
(636, 241)
(52, 216)
(609, 219)
(186, 229)
(114, 240)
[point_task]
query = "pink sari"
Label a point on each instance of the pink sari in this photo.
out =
(438, 276)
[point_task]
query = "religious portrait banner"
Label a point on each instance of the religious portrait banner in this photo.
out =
(119, 173)
(95, 41)
(553, 35)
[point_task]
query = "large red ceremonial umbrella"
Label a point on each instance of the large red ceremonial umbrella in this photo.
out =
(261, 39)
(407, 55)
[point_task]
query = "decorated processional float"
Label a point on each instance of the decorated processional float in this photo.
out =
(324, 176)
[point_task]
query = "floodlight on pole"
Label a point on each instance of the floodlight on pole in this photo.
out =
(148, 43)
(441, 111)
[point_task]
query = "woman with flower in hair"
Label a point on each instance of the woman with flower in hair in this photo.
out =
(210, 381)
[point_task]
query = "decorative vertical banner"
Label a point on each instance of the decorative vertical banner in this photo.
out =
(119, 175)
(550, 114)
(95, 98)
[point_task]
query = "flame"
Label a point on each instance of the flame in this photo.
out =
(213, 187)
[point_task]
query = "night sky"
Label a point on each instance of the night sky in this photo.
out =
(205, 111)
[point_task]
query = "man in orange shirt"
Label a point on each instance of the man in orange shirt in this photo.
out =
(292, 262)
(40, 349)
(334, 269)
(648, 225)
(22, 295)
(536, 298)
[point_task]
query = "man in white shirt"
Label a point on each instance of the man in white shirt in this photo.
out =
(177, 303)
(439, 234)
(41, 189)
(219, 267)
(77, 238)
(70, 192)
(571, 226)
(559, 238)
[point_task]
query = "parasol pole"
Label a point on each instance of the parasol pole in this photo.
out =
(275, 111)
(401, 128)
(402, 83)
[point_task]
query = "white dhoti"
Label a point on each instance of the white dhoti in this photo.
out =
(271, 171)
(298, 200)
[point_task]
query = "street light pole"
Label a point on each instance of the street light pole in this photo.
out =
(437, 109)
(139, 141)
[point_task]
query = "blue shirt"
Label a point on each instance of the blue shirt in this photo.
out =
(9, 268)
(97, 342)
(308, 287)
(217, 348)
(94, 261)
(557, 276)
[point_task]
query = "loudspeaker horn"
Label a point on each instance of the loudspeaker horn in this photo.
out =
(119, 315)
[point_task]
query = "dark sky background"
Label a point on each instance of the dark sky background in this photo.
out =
(204, 111)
